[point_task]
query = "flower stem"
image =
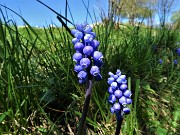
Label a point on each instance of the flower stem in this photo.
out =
(85, 107)
(118, 127)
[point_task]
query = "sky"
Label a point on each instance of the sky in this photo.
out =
(38, 15)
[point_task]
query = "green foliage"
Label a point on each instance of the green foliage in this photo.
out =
(175, 18)
(132, 9)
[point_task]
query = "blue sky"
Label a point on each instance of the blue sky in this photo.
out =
(38, 15)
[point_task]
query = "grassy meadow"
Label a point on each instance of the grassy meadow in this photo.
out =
(40, 93)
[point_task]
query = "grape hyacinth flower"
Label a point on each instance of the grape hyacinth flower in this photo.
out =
(178, 51)
(87, 56)
(119, 97)
(160, 61)
(175, 62)
(88, 63)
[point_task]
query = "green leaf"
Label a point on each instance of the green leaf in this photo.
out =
(2, 117)
(176, 115)
(147, 87)
(161, 131)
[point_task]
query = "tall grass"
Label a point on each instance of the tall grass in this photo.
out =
(40, 92)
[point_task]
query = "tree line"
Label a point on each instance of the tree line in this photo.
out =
(144, 10)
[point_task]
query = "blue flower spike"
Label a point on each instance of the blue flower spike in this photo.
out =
(120, 95)
(88, 64)
(87, 57)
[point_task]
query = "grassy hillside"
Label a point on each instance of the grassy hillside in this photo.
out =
(40, 91)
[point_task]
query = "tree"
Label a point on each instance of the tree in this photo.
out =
(164, 9)
(175, 18)
(131, 9)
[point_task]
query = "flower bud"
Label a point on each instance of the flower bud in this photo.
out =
(73, 31)
(77, 57)
(129, 101)
(110, 80)
(78, 68)
(81, 81)
(114, 85)
(75, 40)
(97, 56)
(94, 44)
(127, 93)
(126, 110)
(85, 62)
(88, 29)
(178, 51)
(118, 72)
(88, 50)
(88, 38)
(82, 75)
(112, 110)
(79, 26)
(110, 74)
(117, 107)
(115, 77)
(112, 99)
(93, 34)
(79, 46)
(111, 90)
(118, 93)
(78, 35)
(123, 87)
(94, 70)
(160, 61)
(175, 62)
(123, 100)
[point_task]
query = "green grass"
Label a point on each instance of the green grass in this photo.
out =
(40, 92)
